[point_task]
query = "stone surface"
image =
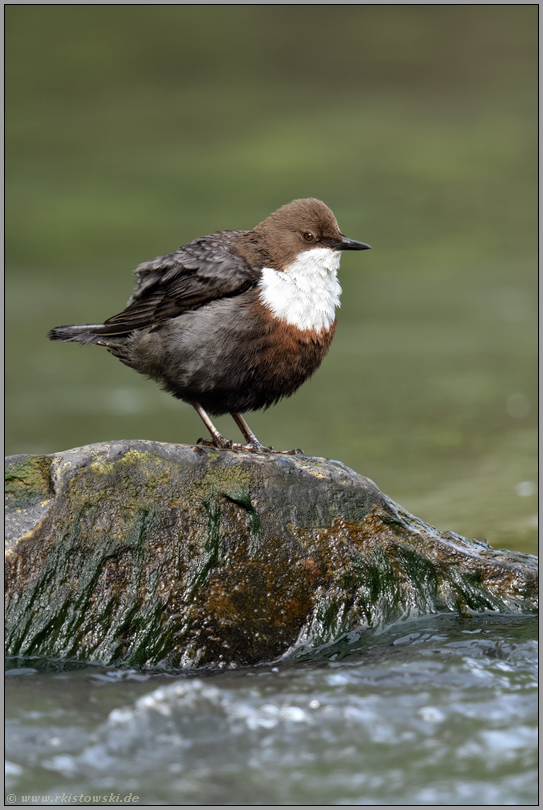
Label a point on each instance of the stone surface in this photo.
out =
(134, 553)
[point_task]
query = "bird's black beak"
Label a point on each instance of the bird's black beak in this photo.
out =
(350, 244)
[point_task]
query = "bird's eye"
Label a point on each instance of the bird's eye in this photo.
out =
(308, 236)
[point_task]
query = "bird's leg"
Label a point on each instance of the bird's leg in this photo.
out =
(253, 443)
(247, 432)
(217, 439)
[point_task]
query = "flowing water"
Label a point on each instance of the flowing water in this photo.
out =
(436, 711)
(132, 129)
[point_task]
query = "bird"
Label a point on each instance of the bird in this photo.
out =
(233, 321)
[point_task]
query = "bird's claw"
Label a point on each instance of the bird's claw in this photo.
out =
(227, 444)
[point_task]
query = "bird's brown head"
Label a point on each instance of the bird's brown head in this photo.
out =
(299, 226)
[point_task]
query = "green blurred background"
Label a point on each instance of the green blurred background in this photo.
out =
(133, 129)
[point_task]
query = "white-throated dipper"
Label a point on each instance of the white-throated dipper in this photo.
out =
(233, 321)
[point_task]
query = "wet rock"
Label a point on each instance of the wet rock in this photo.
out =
(134, 553)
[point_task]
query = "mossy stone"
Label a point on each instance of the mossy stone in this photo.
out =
(140, 554)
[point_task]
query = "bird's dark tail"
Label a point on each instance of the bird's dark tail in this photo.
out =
(79, 333)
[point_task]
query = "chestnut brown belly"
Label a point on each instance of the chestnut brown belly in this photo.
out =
(282, 360)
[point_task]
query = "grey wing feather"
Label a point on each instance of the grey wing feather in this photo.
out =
(201, 271)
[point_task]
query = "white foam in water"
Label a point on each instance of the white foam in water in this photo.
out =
(445, 716)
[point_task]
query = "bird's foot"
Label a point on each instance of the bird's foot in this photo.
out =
(296, 452)
(251, 447)
(227, 444)
(219, 443)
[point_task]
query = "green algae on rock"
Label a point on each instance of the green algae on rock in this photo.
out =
(140, 554)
